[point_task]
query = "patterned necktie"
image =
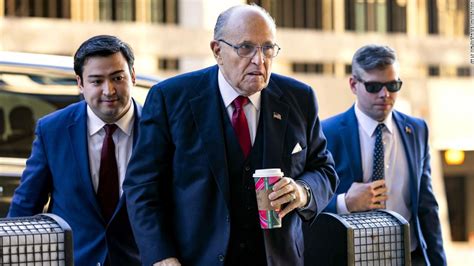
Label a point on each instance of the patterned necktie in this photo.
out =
(108, 190)
(240, 125)
(378, 167)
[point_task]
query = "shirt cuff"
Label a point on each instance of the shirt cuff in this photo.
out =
(341, 204)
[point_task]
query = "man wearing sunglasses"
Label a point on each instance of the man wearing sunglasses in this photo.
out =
(382, 155)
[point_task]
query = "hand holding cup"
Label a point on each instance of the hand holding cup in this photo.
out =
(289, 194)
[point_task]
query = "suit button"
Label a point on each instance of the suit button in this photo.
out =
(227, 218)
(220, 257)
(247, 168)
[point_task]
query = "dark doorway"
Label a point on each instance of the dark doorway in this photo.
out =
(456, 197)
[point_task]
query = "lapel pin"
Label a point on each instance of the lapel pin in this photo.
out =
(408, 130)
(276, 115)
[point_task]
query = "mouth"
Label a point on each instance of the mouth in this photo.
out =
(255, 73)
(384, 105)
(109, 101)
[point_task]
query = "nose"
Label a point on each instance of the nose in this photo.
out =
(384, 93)
(108, 88)
(258, 58)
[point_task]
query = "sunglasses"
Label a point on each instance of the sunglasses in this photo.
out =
(375, 87)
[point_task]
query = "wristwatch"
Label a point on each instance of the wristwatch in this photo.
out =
(308, 193)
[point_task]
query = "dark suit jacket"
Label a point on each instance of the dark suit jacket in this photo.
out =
(177, 183)
(59, 167)
(343, 141)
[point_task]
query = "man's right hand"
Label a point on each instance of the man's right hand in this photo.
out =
(168, 262)
(366, 196)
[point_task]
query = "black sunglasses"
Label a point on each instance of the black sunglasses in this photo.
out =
(374, 86)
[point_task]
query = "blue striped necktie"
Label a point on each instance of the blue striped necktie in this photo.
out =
(378, 167)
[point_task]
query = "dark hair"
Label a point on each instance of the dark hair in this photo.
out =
(223, 18)
(101, 45)
(372, 57)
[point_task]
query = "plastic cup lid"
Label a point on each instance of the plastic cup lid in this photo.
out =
(268, 172)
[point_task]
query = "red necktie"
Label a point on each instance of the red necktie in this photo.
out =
(240, 125)
(108, 191)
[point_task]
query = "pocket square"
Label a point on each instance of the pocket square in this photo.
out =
(276, 115)
(297, 148)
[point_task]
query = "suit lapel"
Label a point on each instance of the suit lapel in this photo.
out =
(350, 137)
(407, 134)
(274, 116)
(136, 122)
(206, 110)
(78, 139)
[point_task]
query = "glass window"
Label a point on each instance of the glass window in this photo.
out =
(348, 69)
(432, 10)
(164, 11)
(125, 10)
(464, 7)
(105, 9)
(38, 8)
(433, 71)
(168, 64)
(396, 16)
(23, 99)
(313, 68)
(375, 15)
(117, 10)
(463, 71)
(295, 13)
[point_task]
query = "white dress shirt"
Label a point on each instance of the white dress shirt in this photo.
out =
(123, 140)
(397, 178)
(251, 110)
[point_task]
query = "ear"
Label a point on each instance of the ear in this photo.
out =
(79, 83)
(133, 76)
(352, 84)
(216, 51)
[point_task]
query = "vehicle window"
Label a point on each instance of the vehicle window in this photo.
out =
(23, 100)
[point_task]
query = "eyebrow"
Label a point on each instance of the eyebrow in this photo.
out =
(111, 74)
(395, 80)
(250, 42)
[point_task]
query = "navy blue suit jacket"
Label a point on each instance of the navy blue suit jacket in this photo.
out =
(59, 167)
(343, 141)
(177, 183)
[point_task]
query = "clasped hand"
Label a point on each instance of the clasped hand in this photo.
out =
(366, 196)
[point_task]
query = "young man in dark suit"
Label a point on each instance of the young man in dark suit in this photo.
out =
(80, 155)
(190, 192)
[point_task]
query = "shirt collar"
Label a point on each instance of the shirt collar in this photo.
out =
(229, 94)
(369, 125)
(125, 123)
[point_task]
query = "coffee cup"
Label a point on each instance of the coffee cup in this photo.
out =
(264, 181)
